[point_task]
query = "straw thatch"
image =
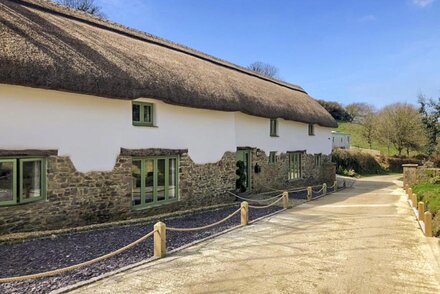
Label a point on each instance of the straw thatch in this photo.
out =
(49, 46)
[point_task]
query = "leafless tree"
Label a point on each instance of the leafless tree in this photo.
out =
(264, 69)
(358, 111)
(88, 6)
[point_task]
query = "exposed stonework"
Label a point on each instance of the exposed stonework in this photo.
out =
(75, 198)
(276, 175)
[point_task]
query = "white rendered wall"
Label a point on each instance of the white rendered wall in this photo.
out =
(91, 130)
(255, 132)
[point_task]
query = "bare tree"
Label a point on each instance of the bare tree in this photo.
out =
(88, 6)
(359, 110)
(401, 125)
(264, 69)
(368, 123)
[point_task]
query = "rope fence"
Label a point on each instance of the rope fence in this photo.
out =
(159, 231)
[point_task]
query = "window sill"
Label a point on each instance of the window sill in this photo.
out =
(274, 136)
(33, 201)
(152, 205)
(138, 124)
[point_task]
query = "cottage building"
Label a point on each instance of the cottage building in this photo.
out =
(101, 122)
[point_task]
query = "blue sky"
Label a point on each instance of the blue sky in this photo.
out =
(375, 51)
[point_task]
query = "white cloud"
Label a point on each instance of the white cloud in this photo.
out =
(367, 18)
(422, 3)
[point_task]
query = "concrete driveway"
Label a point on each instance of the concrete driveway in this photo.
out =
(361, 240)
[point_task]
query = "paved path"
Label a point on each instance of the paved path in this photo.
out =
(361, 240)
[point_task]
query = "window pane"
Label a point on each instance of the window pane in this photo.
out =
(172, 179)
(149, 180)
(148, 118)
(161, 179)
(31, 179)
(137, 180)
(136, 112)
(6, 181)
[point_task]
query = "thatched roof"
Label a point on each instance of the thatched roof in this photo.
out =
(46, 45)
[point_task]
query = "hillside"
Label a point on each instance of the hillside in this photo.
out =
(357, 140)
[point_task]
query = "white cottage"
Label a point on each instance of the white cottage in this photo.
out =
(101, 122)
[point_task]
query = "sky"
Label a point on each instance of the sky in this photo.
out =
(374, 51)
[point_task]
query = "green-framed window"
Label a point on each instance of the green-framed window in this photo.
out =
(272, 157)
(154, 180)
(318, 160)
(295, 169)
(142, 113)
(311, 129)
(274, 127)
(22, 180)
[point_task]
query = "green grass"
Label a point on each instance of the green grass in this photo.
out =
(357, 140)
(430, 194)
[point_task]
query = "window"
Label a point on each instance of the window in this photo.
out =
(154, 180)
(311, 130)
(22, 180)
(318, 158)
(295, 171)
(142, 114)
(274, 127)
(272, 157)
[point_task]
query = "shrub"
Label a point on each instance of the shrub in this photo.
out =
(394, 164)
(358, 162)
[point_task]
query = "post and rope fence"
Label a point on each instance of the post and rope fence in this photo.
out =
(160, 229)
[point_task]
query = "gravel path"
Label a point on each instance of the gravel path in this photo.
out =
(39, 255)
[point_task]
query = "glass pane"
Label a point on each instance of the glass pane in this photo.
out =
(148, 118)
(137, 180)
(149, 180)
(172, 179)
(31, 179)
(161, 179)
(6, 181)
(136, 112)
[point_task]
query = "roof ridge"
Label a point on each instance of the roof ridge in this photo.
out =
(54, 7)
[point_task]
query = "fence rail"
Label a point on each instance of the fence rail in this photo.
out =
(159, 231)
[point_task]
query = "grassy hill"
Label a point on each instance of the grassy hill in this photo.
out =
(357, 140)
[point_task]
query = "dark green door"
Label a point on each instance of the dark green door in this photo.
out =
(244, 156)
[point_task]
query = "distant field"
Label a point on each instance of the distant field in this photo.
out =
(357, 140)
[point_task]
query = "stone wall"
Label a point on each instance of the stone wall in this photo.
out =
(412, 173)
(276, 175)
(75, 199)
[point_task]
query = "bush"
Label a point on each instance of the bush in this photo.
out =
(358, 162)
(394, 164)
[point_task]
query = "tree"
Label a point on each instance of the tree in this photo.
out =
(430, 112)
(264, 69)
(336, 110)
(88, 6)
(359, 110)
(400, 124)
(368, 123)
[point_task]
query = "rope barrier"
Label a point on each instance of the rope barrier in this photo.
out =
(318, 190)
(266, 206)
(204, 227)
(72, 267)
(254, 200)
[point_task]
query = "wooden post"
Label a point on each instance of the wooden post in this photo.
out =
(428, 224)
(335, 185)
(324, 189)
(409, 192)
(244, 213)
(309, 193)
(285, 199)
(160, 248)
(406, 188)
(421, 211)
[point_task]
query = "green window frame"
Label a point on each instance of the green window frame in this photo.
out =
(295, 167)
(274, 127)
(318, 160)
(22, 192)
(311, 129)
(272, 157)
(142, 114)
(155, 181)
